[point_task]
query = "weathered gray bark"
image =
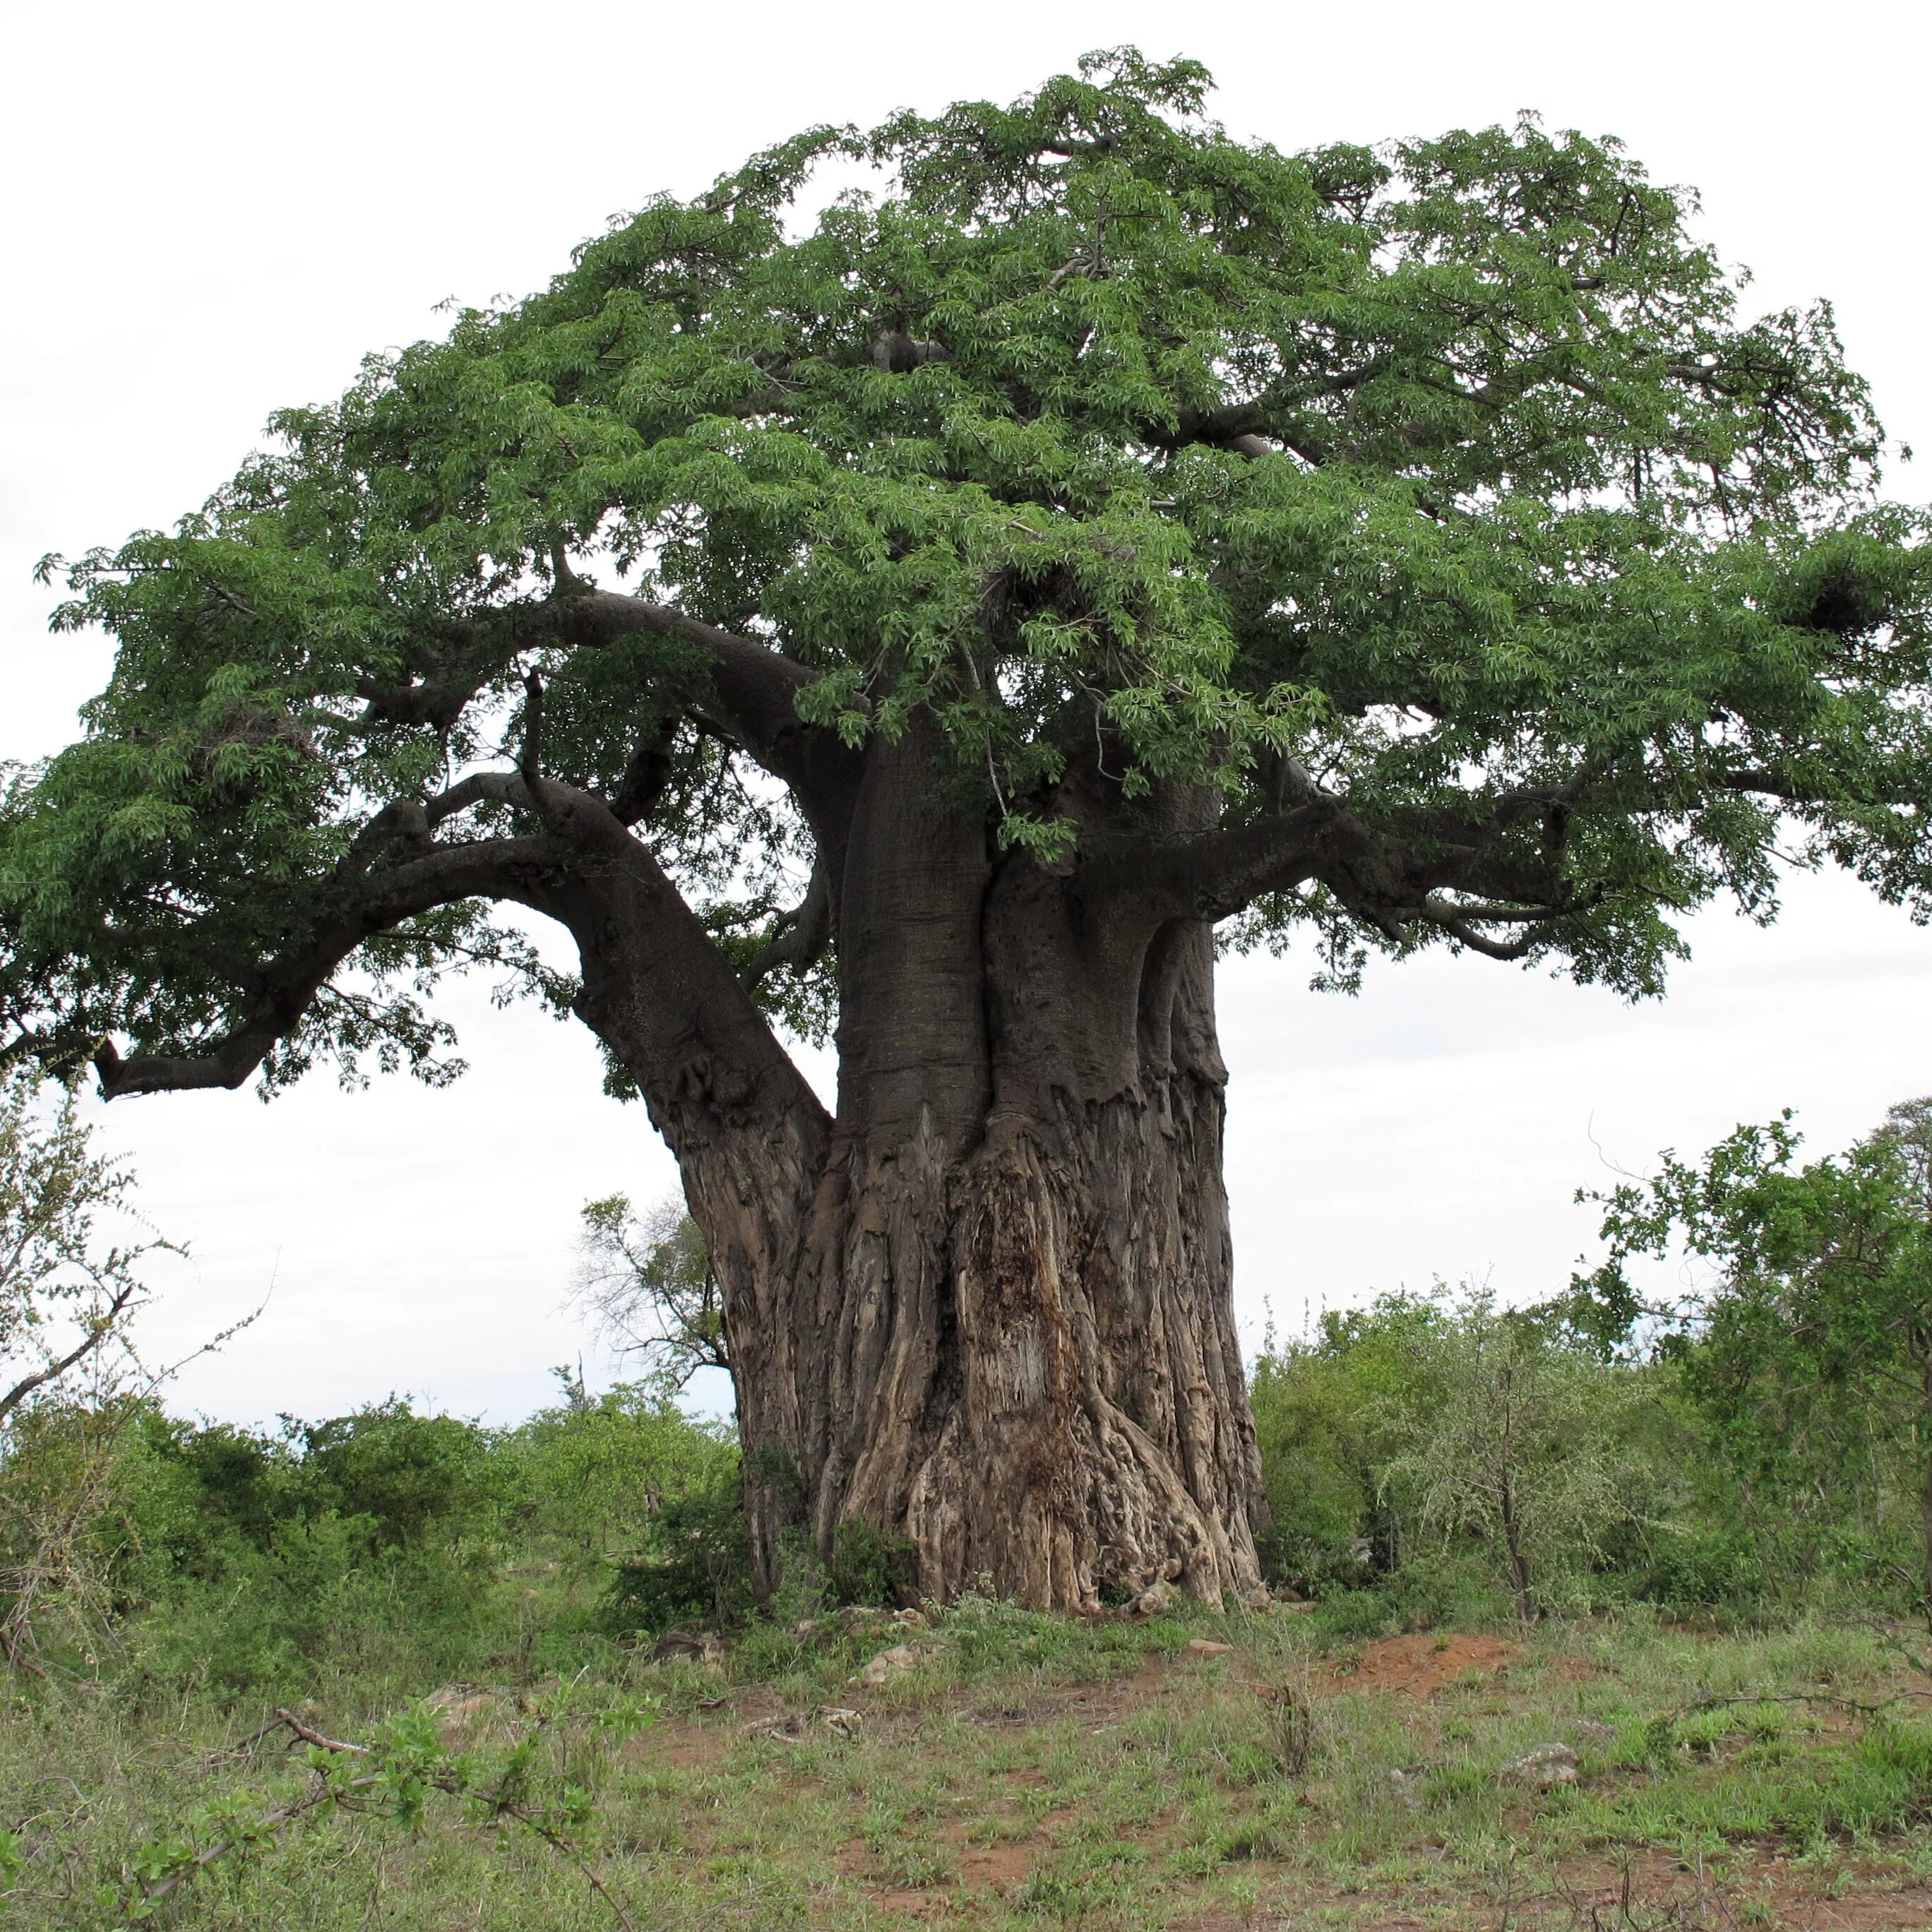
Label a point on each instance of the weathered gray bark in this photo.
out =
(987, 1306)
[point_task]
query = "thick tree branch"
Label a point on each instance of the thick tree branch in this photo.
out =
(530, 765)
(1455, 920)
(1214, 875)
(800, 936)
(285, 986)
(463, 659)
(753, 696)
(647, 776)
(1778, 785)
(1248, 429)
(896, 353)
(1393, 878)
(654, 986)
(749, 695)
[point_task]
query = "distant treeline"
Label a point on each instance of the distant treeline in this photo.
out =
(1757, 1441)
(1756, 1445)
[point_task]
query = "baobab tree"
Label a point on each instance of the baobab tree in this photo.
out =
(926, 613)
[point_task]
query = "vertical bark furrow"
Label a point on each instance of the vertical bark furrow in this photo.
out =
(884, 1376)
(988, 1309)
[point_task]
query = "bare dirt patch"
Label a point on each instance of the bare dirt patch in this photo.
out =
(1422, 1665)
(1755, 1886)
(996, 1867)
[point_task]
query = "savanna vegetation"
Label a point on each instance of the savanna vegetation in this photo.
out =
(1606, 1611)
(912, 594)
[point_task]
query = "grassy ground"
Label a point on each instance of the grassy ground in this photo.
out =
(1019, 1771)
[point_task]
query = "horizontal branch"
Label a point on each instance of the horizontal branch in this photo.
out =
(749, 693)
(1765, 784)
(285, 987)
(654, 985)
(1247, 429)
(1394, 877)
(465, 656)
(1214, 875)
(1455, 920)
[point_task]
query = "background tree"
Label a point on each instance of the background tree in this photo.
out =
(68, 1293)
(1502, 1433)
(67, 1288)
(1810, 1351)
(647, 1281)
(1099, 529)
(1320, 1402)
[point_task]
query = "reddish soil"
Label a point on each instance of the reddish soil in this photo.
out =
(704, 1738)
(999, 1867)
(1756, 1887)
(684, 1749)
(1420, 1666)
(995, 1867)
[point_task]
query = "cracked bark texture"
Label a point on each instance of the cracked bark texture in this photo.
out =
(985, 1306)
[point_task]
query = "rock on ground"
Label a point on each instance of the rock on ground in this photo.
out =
(1546, 1766)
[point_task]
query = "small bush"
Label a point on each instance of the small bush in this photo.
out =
(698, 1570)
(399, 1472)
(869, 1566)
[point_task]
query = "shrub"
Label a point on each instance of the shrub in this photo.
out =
(870, 1566)
(698, 1571)
(402, 1472)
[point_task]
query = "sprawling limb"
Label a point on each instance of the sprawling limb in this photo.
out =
(1213, 875)
(798, 938)
(280, 990)
(1462, 870)
(751, 698)
(746, 694)
(645, 954)
(1391, 878)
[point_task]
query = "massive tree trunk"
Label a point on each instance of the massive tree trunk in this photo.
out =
(986, 1306)
(983, 1306)
(1010, 1339)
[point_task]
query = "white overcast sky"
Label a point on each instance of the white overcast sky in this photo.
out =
(210, 210)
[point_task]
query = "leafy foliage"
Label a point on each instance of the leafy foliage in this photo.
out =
(1442, 493)
(869, 1566)
(1502, 1434)
(386, 1541)
(1808, 1349)
(1753, 1441)
(1316, 1400)
(395, 1778)
(1424, 1444)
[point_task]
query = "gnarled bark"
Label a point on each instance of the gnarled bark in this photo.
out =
(987, 1307)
